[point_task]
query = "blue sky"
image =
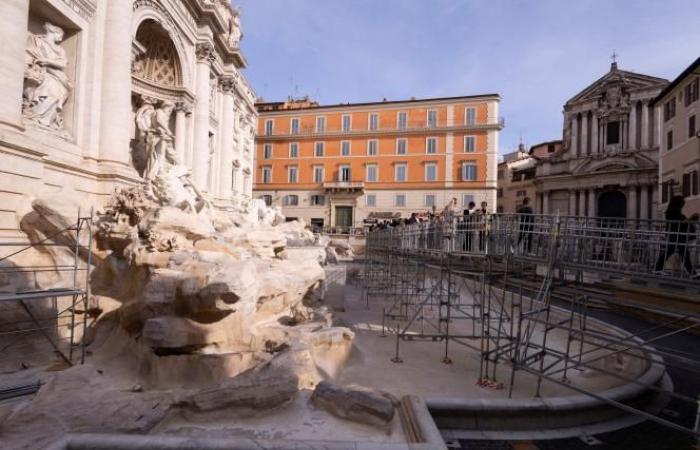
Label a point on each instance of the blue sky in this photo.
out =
(535, 53)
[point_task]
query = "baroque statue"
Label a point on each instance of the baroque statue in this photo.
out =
(167, 180)
(46, 85)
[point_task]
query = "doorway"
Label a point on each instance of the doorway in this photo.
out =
(343, 216)
(612, 204)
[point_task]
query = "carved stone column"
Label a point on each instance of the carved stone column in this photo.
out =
(14, 15)
(116, 83)
(545, 202)
(574, 135)
(584, 134)
(591, 203)
(572, 202)
(645, 125)
(182, 110)
(644, 203)
(632, 141)
(582, 203)
(632, 202)
(595, 142)
(227, 121)
(205, 57)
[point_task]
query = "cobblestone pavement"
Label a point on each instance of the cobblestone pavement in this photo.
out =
(645, 436)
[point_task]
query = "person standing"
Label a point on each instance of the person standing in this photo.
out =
(526, 227)
(679, 232)
(468, 219)
(482, 216)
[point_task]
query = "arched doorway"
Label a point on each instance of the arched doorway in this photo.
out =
(612, 204)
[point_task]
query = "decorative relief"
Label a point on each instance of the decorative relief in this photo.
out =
(46, 85)
(235, 34)
(158, 61)
(205, 52)
(227, 84)
(84, 8)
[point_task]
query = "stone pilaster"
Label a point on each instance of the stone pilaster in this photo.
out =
(645, 125)
(584, 134)
(595, 140)
(632, 141)
(644, 203)
(14, 15)
(182, 110)
(205, 57)
(227, 124)
(591, 203)
(581, 203)
(572, 202)
(632, 202)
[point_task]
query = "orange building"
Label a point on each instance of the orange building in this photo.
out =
(347, 165)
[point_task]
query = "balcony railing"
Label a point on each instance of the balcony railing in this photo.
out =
(410, 127)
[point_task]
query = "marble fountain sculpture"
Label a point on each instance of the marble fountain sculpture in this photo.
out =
(200, 310)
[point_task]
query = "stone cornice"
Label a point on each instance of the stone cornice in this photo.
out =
(84, 8)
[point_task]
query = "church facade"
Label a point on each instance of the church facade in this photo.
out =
(608, 164)
(90, 87)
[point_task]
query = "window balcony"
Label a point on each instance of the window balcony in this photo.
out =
(344, 187)
(416, 127)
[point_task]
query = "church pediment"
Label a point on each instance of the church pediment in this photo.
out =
(615, 86)
(601, 163)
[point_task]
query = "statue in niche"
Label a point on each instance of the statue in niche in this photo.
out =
(46, 85)
(168, 182)
(234, 31)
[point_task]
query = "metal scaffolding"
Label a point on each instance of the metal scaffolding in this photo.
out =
(40, 325)
(490, 282)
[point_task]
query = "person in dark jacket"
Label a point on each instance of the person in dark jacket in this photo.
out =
(679, 231)
(526, 226)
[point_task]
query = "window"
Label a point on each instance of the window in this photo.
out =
(691, 127)
(669, 140)
(370, 200)
(371, 173)
(468, 171)
(294, 126)
(374, 121)
(550, 148)
(432, 118)
(400, 200)
(319, 149)
(292, 174)
(347, 122)
(470, 116)
(401, 146)
(345, 148)
(431, 172)
(319, 174)
(267, 174)
(670, 109)
(317, 200)
(613, 133)
(267, 199)
(344, 173)
(694, 183)
(499, 192)
(267, 151)
(430, 200)
(269, 126)
(521, 193)
(469, 144)
(320, 124)
(402, 120)
(466, 199)
(666, 190)
(400, 173)
(691, 92)
(690, 183)
(294, 150)
(431, 145)
(290, 200)
(372, 147)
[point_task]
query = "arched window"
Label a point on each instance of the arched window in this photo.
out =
(158, 60)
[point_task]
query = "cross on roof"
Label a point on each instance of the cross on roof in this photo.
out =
(614, 56)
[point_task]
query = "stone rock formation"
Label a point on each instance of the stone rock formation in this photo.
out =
(355, 403)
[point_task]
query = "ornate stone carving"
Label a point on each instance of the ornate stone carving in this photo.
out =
(85, 8)
(46, 85)
(157, 59)
(183, 106)
(205, 52)
(235, 34)
(227, 84)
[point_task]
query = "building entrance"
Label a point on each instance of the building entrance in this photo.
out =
(612, 204)
(343, 216)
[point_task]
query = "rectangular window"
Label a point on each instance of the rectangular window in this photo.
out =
(550, 148)
(344, 173)
(686, 186)
(470, 116)
(317, 200)
(345, 148)
(269, 127)
(694, 186)
(267, 174)
(291, 200)
(267, 151)
(374, 121)
(371, 173)
(370, 200)
(347, 122)
(431, 172)
(372, 147)
(401, 146)
(432, 118)
(319, 149)
(691, 127)
(468, 172)
(670, 109)
(469, 144)
(431, 145)
(267, 199)
(402, 120)
(466, 199)
(294, 150)
(430, 200)
(613, 133)
(292, 174)
(691, 92)
(400, 173)
(294, 126)
(320, 124)
(400, 200)
(318, 174)
(669, 140)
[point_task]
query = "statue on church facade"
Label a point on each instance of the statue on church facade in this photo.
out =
(46, 85)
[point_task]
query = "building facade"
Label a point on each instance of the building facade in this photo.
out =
(679, 164)
(608, 166)
(83, 82)
(348, 165)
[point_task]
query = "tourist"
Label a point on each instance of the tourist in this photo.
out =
(468, 218)
(526, 227)
(481, 215)
(679, 232)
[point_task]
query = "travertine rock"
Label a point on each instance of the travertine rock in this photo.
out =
(354, 403)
